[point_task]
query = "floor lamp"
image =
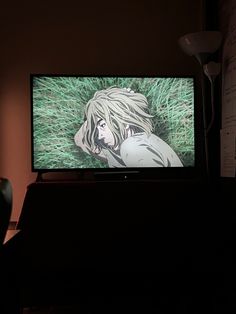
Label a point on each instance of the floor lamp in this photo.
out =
(202, 45)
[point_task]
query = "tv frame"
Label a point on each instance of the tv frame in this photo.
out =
(144, 173)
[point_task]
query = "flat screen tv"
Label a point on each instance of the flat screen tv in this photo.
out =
(142, 125)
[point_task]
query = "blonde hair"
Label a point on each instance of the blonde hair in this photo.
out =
(119, 107)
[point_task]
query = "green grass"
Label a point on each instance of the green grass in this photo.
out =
(58, 113)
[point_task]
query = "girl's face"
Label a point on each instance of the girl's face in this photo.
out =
(104, 133)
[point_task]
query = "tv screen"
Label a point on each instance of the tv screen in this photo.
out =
(106, 123)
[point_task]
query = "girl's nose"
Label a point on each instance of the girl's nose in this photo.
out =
(100, 135)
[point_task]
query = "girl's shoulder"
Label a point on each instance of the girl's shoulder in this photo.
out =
(139, 139)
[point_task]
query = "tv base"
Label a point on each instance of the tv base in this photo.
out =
(116, 175)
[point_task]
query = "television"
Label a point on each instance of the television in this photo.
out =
(126, 126)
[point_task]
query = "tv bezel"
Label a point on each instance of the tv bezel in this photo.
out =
(145, 173)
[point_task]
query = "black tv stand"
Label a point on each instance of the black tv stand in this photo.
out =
(73, 231)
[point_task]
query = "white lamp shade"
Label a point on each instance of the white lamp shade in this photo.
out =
(205, 42)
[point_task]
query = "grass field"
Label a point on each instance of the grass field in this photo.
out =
(58, 112)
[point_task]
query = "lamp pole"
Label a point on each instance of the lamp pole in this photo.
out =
(211, 70)
(201, 45)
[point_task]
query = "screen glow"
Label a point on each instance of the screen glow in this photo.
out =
(131, 122)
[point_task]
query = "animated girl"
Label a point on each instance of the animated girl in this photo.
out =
(118, 130)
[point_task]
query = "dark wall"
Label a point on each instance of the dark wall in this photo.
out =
(91, 37)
